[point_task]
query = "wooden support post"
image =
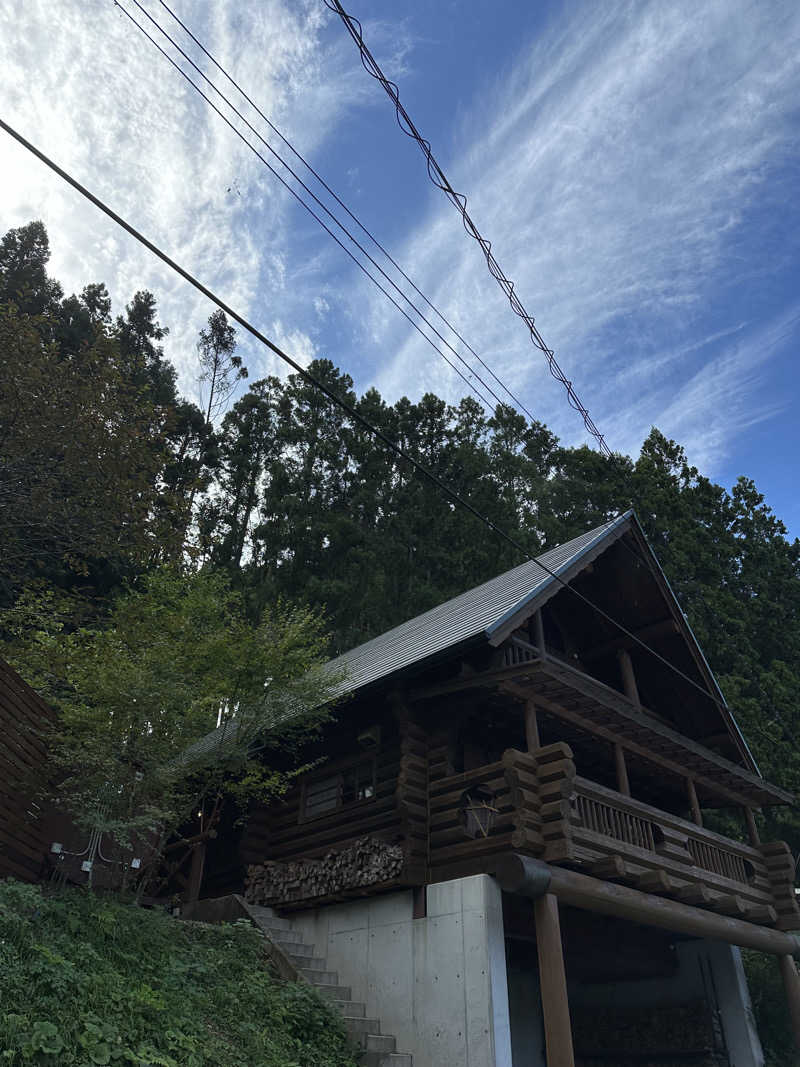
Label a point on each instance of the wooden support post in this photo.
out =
(623, 785)
(538, 627)
(752, 829)
(694, 803)
(553, 981)
(628, 677)
(531, 726)
(196, 871)
(791, 985)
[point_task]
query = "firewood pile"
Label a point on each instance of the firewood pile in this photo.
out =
(625, 1035)
(366, 862)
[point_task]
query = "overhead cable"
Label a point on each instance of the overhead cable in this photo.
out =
(345, 208)
(459, 201)
(472, 373)
(452, 494)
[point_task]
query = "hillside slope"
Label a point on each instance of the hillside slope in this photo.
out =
(87, 980)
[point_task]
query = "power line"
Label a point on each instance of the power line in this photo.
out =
(459, 201)
(375, 431)
(344, 206)
(307, 207)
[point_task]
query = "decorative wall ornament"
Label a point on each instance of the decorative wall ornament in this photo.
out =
(478, 811)
(368, 861)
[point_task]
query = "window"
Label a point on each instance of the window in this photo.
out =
(321, 796)
(334, 791)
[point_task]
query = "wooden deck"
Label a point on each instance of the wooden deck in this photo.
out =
(541, 807)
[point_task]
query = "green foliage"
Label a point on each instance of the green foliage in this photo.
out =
(174, 655)
(86, 980)
(769, 1007)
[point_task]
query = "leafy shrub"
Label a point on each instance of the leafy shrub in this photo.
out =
(87, 980)
(769, 1008)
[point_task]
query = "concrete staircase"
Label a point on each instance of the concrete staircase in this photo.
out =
(378, 1050)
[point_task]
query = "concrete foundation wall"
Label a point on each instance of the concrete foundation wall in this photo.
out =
(439, 983)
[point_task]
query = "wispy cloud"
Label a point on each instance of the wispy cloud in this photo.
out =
(616, 169)
(79, 80)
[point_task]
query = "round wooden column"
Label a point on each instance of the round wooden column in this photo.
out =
(791, 985)
(531, 727)
(553, 982)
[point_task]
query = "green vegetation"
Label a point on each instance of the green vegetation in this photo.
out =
(87, 980)
(769, 1007)
(171, 658)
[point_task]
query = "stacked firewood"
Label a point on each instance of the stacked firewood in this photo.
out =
(366, 862)
(630, 1032)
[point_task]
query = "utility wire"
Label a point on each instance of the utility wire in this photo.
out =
(345, 208)
(310, 210)
(459, 201)
(353, 412)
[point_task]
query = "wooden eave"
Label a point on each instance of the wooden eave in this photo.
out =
(692, 644)
(522, 611)
(629, 523)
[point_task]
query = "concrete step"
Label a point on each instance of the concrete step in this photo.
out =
(361, 1029)
(309, 963)
(350, 1007)
(268, 917)
(385, 1059)
(319, 978)
(381, 1043)
(332, 990)
(294, 948)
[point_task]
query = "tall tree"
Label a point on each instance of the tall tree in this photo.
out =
(220, 367)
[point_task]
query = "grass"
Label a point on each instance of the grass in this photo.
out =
(87, 979)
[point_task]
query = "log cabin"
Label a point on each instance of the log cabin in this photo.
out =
(531, 834)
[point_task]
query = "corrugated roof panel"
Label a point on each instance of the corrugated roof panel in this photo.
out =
(468, 615)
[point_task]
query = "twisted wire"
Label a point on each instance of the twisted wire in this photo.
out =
(459, 201)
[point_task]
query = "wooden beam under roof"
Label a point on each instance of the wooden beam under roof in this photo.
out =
(731, 796)
(647, 633)
(537, 673)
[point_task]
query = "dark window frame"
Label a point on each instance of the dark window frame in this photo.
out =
(339, 772)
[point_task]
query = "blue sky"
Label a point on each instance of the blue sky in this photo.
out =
(634, 164)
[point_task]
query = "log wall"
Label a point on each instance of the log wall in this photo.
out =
(312, 850)
(24, 721)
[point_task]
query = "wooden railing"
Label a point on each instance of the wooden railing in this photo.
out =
(722, 861)
(541, 807)
(613, 822)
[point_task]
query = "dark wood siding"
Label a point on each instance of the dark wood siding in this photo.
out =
(280, 832)
(24, 721)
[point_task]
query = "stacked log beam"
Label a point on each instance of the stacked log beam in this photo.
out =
(411, 797)
(781, 872)
(555, 772)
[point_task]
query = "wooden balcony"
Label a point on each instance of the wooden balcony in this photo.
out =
(577, 698)
(536, 804)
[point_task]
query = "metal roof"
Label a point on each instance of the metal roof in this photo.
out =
(476, 614)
